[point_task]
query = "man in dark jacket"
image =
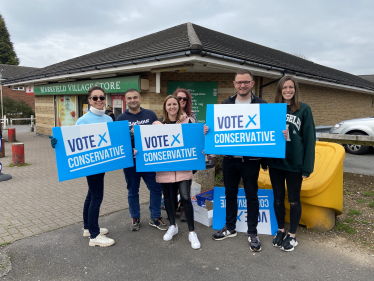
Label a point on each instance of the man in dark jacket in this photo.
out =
(237, 167)
(137, 115)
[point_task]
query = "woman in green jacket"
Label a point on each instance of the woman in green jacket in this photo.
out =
(297, 165)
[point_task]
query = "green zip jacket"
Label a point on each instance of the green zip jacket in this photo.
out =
(300, 144)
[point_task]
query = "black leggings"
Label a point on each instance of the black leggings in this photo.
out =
(184, 191)
(294, 181)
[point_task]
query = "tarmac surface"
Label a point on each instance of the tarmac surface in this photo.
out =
(49, 213)
(64, 254)
(360, 164)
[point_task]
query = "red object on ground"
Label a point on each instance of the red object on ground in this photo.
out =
(12, 135)
(18, 154)
(2, 151)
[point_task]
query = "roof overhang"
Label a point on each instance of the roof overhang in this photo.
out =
(200, 63)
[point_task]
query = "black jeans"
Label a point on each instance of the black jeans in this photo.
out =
(184, 191)
(92, 204)
(294, 181)
(233, 170)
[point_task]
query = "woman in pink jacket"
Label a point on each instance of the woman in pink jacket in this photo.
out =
(172, 112)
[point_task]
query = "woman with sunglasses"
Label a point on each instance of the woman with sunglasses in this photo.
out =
(181, 180)
(185, 100)
(91, 209)
(299, 162)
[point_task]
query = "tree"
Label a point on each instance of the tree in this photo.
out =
(7, 53)
(17, 109)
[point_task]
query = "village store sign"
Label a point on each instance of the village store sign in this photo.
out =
(110, 85)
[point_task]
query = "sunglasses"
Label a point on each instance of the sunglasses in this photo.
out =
(182, 98)
(96, 98)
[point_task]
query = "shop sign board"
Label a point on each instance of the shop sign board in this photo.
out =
(84, 150)
(202, 93)
(267, 223)
(173, 147)
(110, 85)
(246, 129)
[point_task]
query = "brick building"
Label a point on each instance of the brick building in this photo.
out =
(193, 57)
(16, 92)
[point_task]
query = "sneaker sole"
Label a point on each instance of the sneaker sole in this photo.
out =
(134, 228)
(255, 250)
(102, 233)
(101, 245)
(276, 246)
(228, 236)
(290, 250)
(151, 224)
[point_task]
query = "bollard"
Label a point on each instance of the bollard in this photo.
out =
(12, 135)
(18, 154)
(2, 151)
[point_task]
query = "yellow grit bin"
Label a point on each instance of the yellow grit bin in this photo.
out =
(322, 193)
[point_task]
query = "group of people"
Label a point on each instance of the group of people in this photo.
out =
(177, 108)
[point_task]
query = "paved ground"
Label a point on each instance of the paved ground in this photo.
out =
(64, 254)
(360, 164)
(34, 201)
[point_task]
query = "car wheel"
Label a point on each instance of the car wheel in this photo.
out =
(355, 148)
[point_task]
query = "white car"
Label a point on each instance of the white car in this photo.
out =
(360, 126)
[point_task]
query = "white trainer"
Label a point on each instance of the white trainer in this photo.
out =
(102, 241)
(171, 232)
(195, 243)
(86, 232)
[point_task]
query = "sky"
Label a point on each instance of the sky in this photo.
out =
(337, 34)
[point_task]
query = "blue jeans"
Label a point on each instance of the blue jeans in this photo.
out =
(133, 183)
(92, 204)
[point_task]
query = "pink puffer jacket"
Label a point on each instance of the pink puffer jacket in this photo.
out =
(169, 177)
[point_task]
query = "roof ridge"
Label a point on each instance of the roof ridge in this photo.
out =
(195, 42)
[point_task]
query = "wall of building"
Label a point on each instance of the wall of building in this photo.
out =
(329, 105)
(44, 114)
(19, 95)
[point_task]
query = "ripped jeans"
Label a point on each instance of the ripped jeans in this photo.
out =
(294, 181)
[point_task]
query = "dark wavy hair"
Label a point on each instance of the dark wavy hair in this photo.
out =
(295, 101)
(164, 112)
(93, 89)
(188, 107)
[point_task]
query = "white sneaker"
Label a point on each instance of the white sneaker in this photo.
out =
(86, 232)
(171, 232)
(195, 243)
(102, 241)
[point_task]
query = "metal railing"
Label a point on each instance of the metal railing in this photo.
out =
(5, 121)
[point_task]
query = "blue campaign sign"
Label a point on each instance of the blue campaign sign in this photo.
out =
(86, 150)
(267, 223)
(173, 147)
(246, 129)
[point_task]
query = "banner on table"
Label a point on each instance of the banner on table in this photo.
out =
(174, 147)
(92, 149)
(267, 223)
(246, 129)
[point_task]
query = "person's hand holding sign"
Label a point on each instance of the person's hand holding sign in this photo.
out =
(53, 141)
